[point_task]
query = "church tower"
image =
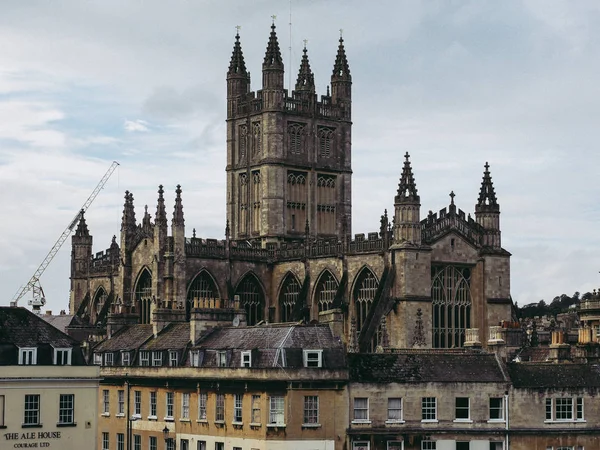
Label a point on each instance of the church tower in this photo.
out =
(81, 256)
(288, 154)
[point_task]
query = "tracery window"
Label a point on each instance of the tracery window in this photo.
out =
(251, 299)
(243, 202)
(256, 138)
(243, 142)
(325, 141)
(451, 303)
(365, 289)
(326, 289)
(202, 287)
(288, 296)
(296, 200)
(256, 201)
(295, 133)
(326, 201)
(143, 296)
(99, 300)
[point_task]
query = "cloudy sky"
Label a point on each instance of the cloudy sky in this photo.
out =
(454, 83)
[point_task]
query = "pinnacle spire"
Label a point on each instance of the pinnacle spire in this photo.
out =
(128, 221)
(178, 212)
(341, 70)
(306, 79)
(487, 201)
(273, 54)
(82, 229)
(237, 66)
(161, 213)
(407, 188)
(146, 222)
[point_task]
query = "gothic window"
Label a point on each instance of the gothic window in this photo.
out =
(295, 133)
(243, 202)
(256, 138)
(290, 290)
(99, 300)
(451, 303)
(365, 289)
(202, 287)
(327, 287)
(243, 142)
(326, 204)
(252, 299)
(256, 201)
(297, 195)
(143, 296)
(325, 141)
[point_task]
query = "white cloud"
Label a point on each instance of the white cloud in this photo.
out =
(136, 125)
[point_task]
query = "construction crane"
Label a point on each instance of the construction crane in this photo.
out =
(34, 285)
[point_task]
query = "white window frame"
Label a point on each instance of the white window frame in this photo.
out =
(501, 409)
(392, 445)
(456, 408)
(577, 404)
(276, 411)
(221, 359)
(255, 407)
(120, 441)
(362, 409)
(137, 404)
(120, 403)
(105, 440)
(238, 402)
(137, 442)
(105, 402)
(195, 358)
(202, 401)
(157, 358)
(97, 359)
(401, 409)
(109, 359)
(27, 356)
(428, 445)
(312, 358)
(246, 360)
(145, 358)
(152, 443)
(66, 409)
(37, 411)
(220, 408)
(173, 358)
(2, 410)
(361, 445)
(185, 406)
(125, 358)
(427, 408)
(152, 396)
(311, 407)
(169, 406)
(64, 352)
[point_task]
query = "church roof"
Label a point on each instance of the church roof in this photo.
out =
(553, 375)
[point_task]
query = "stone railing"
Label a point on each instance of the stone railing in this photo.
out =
(496, 335)
(433, 226)
(472, 337)
(589, 305)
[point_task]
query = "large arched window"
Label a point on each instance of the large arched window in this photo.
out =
(451, 304)
(252, 299)
(99, 300)
(143, 296)
(327, 287)
(203, 287)
(288, 296)
(365, 289)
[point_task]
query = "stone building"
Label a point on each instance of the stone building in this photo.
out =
(288, 254)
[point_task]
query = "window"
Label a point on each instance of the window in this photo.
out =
(360, 445)
(66, 405)
(170, 402)
(311, 410)
(428, 445)
(144, 359)
(120, 441)
(496, 446)
(361, 409)
(170, 444)
(62, 356)
(121, 398)
(202, 397)
(255, 409)
(157, 358)
(462, 445)
(28, 356)
(564, 409)
(137, 403)
(184, 444)
(220, 408)
(105, 441)
(496, 408)
(222, 359)
(462, 408)
(2, 403)
(185, 405)
(137, 442)
(152, 443)
(105, 402)
(325, 141)
(32, 410)
(201, 445)
(153, 404)
(428, 408)
(195, 358)
(173, 358)
(394, 410)
(395, 445)
(219, 446)
(312, 358)
(125, 360)
(98, 359)
(237, 407)
(246, 359)
(276, 410)
(108, 359)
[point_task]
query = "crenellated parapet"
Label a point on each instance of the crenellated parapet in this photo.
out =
(452, 219)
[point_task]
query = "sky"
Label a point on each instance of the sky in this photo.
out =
(454, 83)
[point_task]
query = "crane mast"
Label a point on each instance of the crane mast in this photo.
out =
(34, 285)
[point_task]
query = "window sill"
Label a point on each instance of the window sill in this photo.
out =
(496, 421)
(152, 418)
(169, 419)
(201, 421)
(566, 421)
(136, 416)
(276, 425)
(32, 425)
(120, 415)
(462, 421)
(361, 421)
(219, 422)
(237, 423)
(62, 425)
(105, 414)
(311, 425)
(257, 425)
(394, 421)
(185, 419)
(429, 421)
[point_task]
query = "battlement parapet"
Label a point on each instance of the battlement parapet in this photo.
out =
(435, 226)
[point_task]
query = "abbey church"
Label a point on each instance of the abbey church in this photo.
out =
(288, 254)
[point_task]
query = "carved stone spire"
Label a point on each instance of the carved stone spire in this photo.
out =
(341, 80)
(341, 70)
(407, 188)
(82, 229)
(407, 205)
(128, 221)
(161, 213)
(306, 79)
(487, 196)
(273, 54)
(178, 212)
(237, 66)
(487, 212)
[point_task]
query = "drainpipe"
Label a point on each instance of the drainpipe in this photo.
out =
(128, 445)
(506, 444)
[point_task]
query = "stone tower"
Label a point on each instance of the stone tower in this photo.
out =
(288, 154)
(81, 256)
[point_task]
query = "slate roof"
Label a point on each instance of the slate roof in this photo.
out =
(61, 321)
(553, 375)
(174, 336)
(128, 338)
(22, 328)
(423, 366)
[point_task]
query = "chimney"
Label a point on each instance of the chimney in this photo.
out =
(48, 313)
(496, 342)
(165, 313)
(209, 313)
(335, 319)
(472, 340)
(560, 351)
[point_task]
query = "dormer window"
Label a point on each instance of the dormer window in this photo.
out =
(62, 356)
(173, 358)
(246, 359)
(28, 356)
(313, 358)
(145, 359)
(157, 359)
(98, 359)
(125, 358)
(222, 359)
(195, 358)
(108, 359)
